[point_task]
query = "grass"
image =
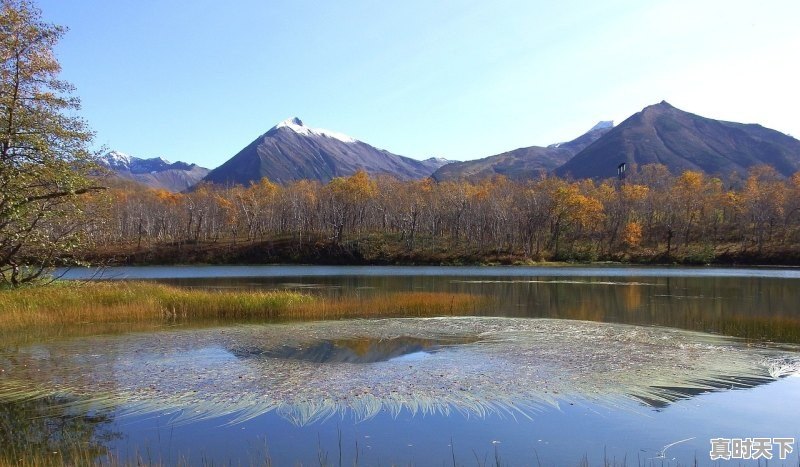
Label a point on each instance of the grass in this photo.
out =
(87, 457)
(405, 304)
(82, 456)
(74, 457)
(102, 305)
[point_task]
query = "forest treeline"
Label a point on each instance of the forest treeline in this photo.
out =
(651, 216)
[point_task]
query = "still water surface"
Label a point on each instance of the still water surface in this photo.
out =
(658, 355)
(758, 303)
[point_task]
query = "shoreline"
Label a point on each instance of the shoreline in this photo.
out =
(357, 253)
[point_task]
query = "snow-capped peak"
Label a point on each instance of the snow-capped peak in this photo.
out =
(296, 125)
(116, 158)
(602, 125)
(290, 121)
(120, 161)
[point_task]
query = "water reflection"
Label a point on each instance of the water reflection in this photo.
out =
(56, 426)
(355, 350)
(310, 371)
(257, 377)
(756, 308)
(278, 271)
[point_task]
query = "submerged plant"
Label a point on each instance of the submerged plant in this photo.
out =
(475, 366)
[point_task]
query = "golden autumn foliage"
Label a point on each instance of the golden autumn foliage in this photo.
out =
(46, 166)
(541, 219)
(632, 234)
(353, 189)
(634, 192)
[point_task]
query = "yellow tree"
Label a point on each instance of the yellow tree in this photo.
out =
(166, 210)
(532, 208)
(793, 206)
(681, 206)
(632, 234)
(622, 204)
(489, 208)
(44, 160)
(656, 209)
(256, 205)
(570, 211)
(226, 200)
(349, 199)
(763, 199)
(264, 197)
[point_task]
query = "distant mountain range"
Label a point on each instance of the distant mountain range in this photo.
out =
(663, 134)
(291, 151)
(523, 163)
(154, 172)
(660, 133)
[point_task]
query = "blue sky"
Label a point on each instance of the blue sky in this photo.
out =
(198, 80)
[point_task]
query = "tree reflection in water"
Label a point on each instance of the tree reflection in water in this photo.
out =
(56, 426)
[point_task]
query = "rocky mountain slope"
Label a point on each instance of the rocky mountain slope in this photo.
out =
(154, 172)
(663, 134)
(292, 151)
(522, 163)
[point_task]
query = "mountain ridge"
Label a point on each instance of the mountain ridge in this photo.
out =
(522, 163)
(680, 140)
(291, 151)
(155, 172)
(659, 133)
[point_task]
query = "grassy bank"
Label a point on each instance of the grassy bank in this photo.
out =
(138, 304)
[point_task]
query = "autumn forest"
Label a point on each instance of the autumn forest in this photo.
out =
(650, 216)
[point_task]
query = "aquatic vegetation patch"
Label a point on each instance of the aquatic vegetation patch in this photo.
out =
(555, 281)
(476, 366)
(133, 303)
(109, 302)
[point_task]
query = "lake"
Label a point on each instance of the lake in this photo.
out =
(566, 366)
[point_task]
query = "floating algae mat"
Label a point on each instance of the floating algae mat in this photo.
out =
(310, 371)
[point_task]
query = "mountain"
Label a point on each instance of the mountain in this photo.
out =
(291, 151)
(522, 163)
(155, 172)
(436, 162)
(681, 141)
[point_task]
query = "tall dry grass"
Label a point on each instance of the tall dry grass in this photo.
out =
(401, 304)
(132, 302)
(103, 305)
(83, 456)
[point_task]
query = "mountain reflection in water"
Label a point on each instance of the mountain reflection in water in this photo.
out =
(355, 350)
(311, 371)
